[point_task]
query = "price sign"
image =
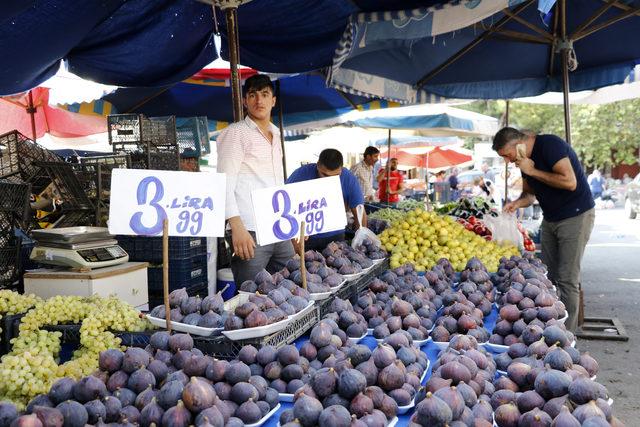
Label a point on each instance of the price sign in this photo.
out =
(141, 200)
(278, 211)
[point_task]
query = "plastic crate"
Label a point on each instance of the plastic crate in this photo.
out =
(9, 265)
(136, 129)
(183, 273)
(135, 339)
(14, 198)
(68, 185)
(222, 348)
(71, 335)
(104, 165)
(192, 135)
(149, 249)
(201, 289)
(10, 325)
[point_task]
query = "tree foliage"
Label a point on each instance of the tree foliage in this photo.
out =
(602, 135)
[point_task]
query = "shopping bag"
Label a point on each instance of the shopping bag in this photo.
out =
(504, 228)
(363, 233)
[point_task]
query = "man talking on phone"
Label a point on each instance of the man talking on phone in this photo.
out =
(551, 172)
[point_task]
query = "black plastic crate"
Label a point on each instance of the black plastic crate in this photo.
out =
(14, 198)
(71, 335)
(10, 325)
(221, 347)
(136, 129)
(192, 135)
(183, 273)
(201, 289)
(149, 249)
(9, 265)
(69, 187)
(135, 339)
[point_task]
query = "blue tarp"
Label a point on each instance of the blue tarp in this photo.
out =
(118, 42)
(388, 54)
(142, 43)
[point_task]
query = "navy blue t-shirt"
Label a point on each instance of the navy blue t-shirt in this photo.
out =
(351, 192)
(558, 204)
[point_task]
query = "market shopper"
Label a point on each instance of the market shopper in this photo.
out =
(363, 171)
(596, 183)
(249, 153)
(330, 163)
(552, 173)
(396, 183)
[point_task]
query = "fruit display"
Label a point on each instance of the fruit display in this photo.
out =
(399, 300)
(410, 204)
(32, 366)
(460, 387)
(168, 384)
(377, 225)
(477, 226)
(194, 311)
(549, 383)
(369, 249)
(261, 310)
(466, 208)
(390, 215)
(347, 260)
(422, 238)
(12, 303)
(351, 322)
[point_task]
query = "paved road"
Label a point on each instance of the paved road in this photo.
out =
(611, 282)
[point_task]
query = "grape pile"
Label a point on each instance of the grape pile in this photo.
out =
(32, 365)
(14, 303)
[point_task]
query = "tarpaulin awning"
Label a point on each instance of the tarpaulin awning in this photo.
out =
(410, 55)
(15, 114)
(434, 158)
(437, 120)
(407, 142)
(117, 42)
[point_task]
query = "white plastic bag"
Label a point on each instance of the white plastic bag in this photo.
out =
(504, 228)
(363, 232)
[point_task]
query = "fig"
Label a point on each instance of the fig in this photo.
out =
(177, 416)
(129, 414)
(112, 406)
(170, 394)
(49, 417)
(90, 388)
(383, 356)
(138, 381)
(256, 319)
(350, 383)
(361, 405)
(324, 382)
(558, 359)
(75, 415)
(62, 390)
(266, 355)
(391, 377)
(586, 411)
(237, 372)
(27, 421)
(217, 370)
(199, 395)
(565, 419)
(287, 355)
(176, 342)
(307, 410)
(589, 363)
(552, 383)
(144, 398)
(433, 411)
(529, 400)
(177, 297)
(535, 418)
(507, 415)
(334, 416)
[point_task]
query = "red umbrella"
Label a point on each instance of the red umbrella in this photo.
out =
(437, 158)
(31, 114)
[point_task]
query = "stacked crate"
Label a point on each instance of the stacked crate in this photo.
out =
(150, 142)
(187, 263)
(14, 202)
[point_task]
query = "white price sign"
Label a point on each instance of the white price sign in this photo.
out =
(141, 200)
(278, 211)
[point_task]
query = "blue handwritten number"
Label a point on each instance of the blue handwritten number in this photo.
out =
(136, 220)
(197, 218)
(319, 218)
(286, 209)
(308, 219)
(183, 224)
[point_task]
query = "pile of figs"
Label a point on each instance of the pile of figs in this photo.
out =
(553, 387)
(342, 313)
(399, 300)
(345, 259)
(371, 250)
(196, 311)
(517, 270)
(460, 388)
(462, 316)
(362, 386)
(261, 310)
(169, 383)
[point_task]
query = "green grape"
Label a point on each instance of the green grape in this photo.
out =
(14, 303)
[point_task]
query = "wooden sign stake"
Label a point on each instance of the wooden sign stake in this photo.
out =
(165, 271)
(303, 268)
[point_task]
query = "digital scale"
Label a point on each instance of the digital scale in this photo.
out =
(77, 247)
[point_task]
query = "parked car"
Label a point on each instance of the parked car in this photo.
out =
(632, 198)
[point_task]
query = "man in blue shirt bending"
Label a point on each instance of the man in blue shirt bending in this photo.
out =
(551, 172)
(330, 164)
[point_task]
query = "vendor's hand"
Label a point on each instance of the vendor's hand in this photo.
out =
(526, 165)
(243, 243)
(296, 244)
(511, 207)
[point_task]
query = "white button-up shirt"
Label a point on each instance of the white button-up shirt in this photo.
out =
(364, 173)
(250, 161)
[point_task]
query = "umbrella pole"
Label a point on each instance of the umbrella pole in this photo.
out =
(32, 113)
(231, 14)
(565, 73)
(427, 179)
(281, 126)
(506, 163)
(388, 163)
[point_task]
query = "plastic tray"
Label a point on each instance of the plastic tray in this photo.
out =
(261, 331)
(321, 295)
(404, 409)
(497, 348)
(352, 277)
(265, 418)
(392, 423)
(183, 327)
(356, 340)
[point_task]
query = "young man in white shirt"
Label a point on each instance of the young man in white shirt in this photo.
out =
(249, 152)
(364, 172)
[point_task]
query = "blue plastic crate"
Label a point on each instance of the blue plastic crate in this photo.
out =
(149, 249)
(183, 273)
